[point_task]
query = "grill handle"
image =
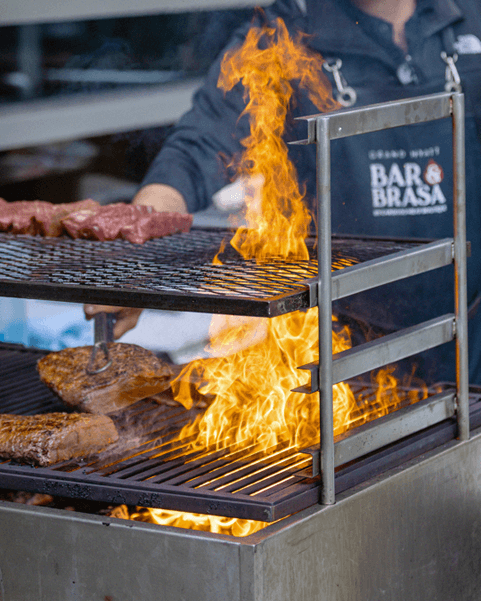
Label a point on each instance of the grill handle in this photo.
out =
(104, 327)
(103, 333)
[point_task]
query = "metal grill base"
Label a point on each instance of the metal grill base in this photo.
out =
(413, 533)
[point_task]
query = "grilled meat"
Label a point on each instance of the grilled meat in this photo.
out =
(135, 374)
(53, 437)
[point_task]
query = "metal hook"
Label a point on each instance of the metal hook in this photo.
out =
(453, 80)
(104, 348)
(345, 95)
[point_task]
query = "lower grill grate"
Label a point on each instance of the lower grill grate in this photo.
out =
(149, 467)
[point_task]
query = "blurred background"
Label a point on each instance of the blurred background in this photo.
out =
(88, 93)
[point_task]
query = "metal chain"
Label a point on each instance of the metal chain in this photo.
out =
(453, 80)
(345, 95)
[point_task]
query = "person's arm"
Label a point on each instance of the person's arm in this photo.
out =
(126, 317)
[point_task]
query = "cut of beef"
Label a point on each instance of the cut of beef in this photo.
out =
(19, 217)
(53, 437)
(135, 374)
(87, 219)
(135, 223)
(39, 217)
(54, 226)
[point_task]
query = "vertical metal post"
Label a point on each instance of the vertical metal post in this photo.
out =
(324, 302)
(459, 210)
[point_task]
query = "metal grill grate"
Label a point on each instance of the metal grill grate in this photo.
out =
(150, 467)
(171, 272)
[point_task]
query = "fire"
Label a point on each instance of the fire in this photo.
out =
(254, 364)
(254, 403)
(191, 521)
(266, 65)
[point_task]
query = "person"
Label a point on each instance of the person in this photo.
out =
(400, 180)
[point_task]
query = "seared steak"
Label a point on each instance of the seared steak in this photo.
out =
(53, 437)
(135, 374)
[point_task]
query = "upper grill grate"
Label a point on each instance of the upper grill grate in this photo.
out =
(171, 272)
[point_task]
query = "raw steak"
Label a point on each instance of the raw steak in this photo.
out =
(135, 374)
(38, 216)
(135, 223)
(53, 437)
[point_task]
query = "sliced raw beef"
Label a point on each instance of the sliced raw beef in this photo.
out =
(39, 217)
(134, 223)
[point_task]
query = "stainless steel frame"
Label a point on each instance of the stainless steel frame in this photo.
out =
(322, 129)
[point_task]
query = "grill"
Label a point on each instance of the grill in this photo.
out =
(405, 531)
(177, 273)
(150, 467)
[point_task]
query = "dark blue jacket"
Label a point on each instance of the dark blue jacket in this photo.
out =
(393, 183)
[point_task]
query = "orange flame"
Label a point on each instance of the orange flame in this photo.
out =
(267, 64)
(254, 403)
(192, 521)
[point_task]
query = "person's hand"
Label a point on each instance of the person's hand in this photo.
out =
(126, 317)
(161, 197)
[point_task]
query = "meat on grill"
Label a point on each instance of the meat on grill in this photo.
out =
(53, 437)
(135, 223)
(87, 219)
(39, 217)
(135, 374)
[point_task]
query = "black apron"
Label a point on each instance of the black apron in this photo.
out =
(399, 183)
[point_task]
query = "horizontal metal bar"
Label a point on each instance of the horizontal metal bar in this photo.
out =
(393, 347)
(198, 303)
(394, 426)
(351, 122)
(387, 429)
(135, 493)
(377, 272)
(30, 11)
(84, 115)
(118, 76)
(388, 349)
